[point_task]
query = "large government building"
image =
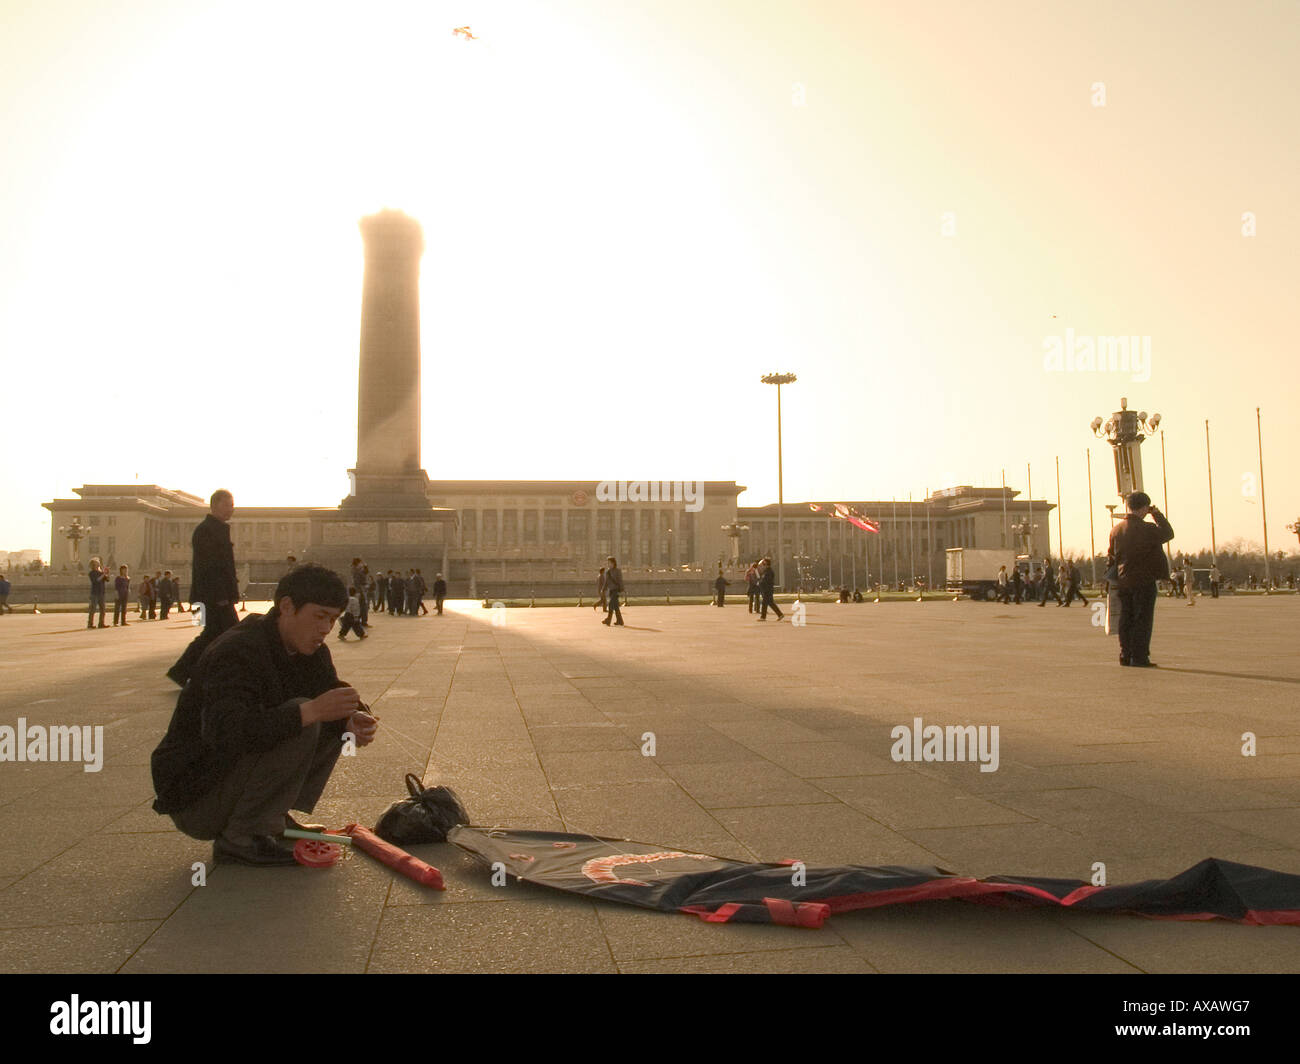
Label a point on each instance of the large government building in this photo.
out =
(505, 537)
(511, 537)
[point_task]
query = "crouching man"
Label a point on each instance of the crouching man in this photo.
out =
(259, 727)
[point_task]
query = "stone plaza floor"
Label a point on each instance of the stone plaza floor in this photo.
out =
(772, 742)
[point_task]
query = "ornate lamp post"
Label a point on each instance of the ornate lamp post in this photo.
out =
(734, 530)
(75, 533)
(1024, 533)
(1125, 431)
(803, 563)
(779, 379)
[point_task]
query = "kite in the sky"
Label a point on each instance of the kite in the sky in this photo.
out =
(464, 32)
(719, 890)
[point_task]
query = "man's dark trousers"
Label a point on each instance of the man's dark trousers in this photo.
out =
(216, 620)
(1137, 614)
(769, 602)
(264, 786)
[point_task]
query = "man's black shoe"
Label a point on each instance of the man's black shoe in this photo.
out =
(262, 850)
(1124, 661)
(175, 677)
(1145, 665)
(290, 822)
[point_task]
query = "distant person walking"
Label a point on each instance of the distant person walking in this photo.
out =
(1136, 552)
(5, 588)
(421, 589)
(1074, 580)
(1004, 585)
(396, 592)
(720, 589)
(97, 579)
(214, 582)
(381, 592)
(766, 590)
(122, 587)
(613, 588)
(1048, 586)
(166, 594)
(1018, 586)
(439, 592)
(751, 587)
(1216, 578)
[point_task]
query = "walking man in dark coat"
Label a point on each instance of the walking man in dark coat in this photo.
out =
(720, 589)
(613, 588)
(214, 584)
(766, 587)
(381, 592)
(439, 592)
(1136, 552)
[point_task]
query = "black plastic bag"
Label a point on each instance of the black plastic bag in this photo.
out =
(426, 816)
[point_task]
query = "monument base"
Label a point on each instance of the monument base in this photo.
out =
(389, 538)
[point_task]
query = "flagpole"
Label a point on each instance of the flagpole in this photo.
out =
(929, 542)
(1006, 536)
(1060, 533)
(911, 539)
(1029, 523)
(895, 545)
(1263, 510)
(1209, 477)
(1092, 536)
(830, 565)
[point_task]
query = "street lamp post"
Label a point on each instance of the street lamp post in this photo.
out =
(1125, 431)
(734, 531)
(779, 379)
(74, 534)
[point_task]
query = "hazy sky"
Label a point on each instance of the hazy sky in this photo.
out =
(632, 211)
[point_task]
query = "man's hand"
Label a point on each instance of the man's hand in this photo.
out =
(363, 726)
(335, 704)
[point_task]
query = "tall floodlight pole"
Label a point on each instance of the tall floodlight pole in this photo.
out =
(1209, 476)
(1060, 534)
(1263, 510)
(1092, 535)
(779, 379)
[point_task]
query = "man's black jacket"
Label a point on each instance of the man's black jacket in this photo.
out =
(214, 577)
(767, 581)
(243, 698)
(1136, 548)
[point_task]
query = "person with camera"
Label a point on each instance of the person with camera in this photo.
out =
(1136, 554)
(259, 727)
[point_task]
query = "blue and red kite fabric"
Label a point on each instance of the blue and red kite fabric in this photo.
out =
(719, 890)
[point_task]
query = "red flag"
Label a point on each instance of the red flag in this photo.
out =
(864, 523)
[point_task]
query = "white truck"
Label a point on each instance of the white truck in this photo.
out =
(975, 572)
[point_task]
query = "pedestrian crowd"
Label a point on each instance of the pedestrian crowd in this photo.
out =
(154, 595)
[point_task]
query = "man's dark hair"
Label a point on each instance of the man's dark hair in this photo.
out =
(218, 495)
(1137, 500)
(312, 583)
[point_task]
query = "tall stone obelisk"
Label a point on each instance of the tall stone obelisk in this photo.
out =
(388, 474)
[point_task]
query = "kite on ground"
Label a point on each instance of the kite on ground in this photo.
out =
(719, 890)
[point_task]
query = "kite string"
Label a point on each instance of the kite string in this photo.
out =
(423, 764)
